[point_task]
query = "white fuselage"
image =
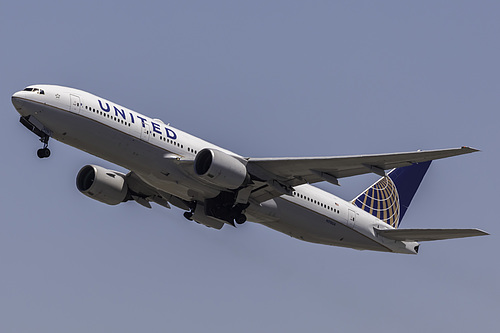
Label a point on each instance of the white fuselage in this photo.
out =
(153, 150)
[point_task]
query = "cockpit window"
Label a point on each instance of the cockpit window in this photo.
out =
(37, 90)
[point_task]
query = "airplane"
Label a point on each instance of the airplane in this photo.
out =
(215, 186)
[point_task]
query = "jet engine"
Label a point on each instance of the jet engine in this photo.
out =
(220, 169)
(101, 184)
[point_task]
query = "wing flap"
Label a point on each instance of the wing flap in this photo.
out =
(421, 235)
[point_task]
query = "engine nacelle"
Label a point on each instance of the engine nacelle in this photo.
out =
(101, 184)
(220, 169)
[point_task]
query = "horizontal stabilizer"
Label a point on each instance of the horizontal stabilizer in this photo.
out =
(420, 235)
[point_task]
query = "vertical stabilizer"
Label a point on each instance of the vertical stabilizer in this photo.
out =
(389, 198)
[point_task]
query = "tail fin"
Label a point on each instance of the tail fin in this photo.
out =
(389, 198)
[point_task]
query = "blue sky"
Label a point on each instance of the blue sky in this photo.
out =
(262, 78)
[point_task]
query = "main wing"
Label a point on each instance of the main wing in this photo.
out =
(281, 174)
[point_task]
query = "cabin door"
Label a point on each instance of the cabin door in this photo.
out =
(74, 103)
(351, 218)
(146, 132)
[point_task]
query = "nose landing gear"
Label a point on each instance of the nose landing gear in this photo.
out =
(44, 137)
(45, 151)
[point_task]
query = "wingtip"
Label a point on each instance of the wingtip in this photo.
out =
(481, 232)
(469, 149)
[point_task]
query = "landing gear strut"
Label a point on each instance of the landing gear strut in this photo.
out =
(45, 151)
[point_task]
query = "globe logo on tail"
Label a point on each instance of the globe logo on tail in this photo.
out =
(381, 200)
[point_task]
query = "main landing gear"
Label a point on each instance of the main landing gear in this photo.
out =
(240, 219)
(45, 151)
(223, 207)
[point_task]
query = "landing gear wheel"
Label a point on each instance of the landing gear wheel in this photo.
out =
(188, 215)
(43, 152)
(240, 219)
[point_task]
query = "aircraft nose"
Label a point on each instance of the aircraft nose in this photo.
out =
(18, 100)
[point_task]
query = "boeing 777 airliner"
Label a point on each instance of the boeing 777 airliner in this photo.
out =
(216, 186)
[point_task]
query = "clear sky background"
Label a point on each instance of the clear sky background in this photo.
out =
(264, 79)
